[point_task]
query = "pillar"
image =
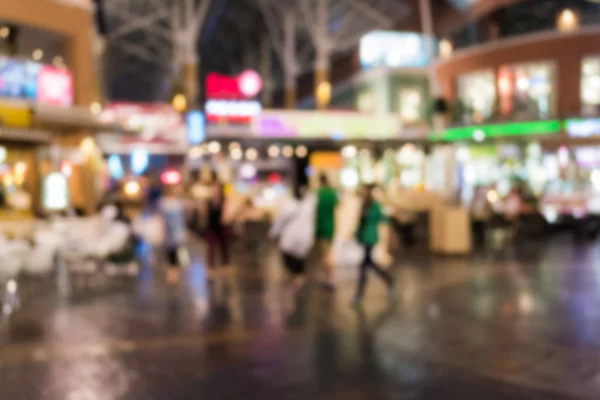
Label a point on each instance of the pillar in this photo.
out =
(428, 31)
(266, 72)
(80, 59)
(191, 67)
(289, 58)
(322, 58)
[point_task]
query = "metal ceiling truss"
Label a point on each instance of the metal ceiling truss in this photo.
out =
(163, 34)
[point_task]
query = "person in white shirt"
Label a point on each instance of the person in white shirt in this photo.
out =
(295, 228)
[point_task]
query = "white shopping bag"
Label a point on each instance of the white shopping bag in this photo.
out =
(346, 253)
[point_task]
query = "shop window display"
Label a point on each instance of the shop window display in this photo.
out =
(590, 85)
(527, 91)
(15, 193)
(477, 96)
(410, 102)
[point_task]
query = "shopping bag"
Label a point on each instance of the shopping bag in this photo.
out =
(346, 253)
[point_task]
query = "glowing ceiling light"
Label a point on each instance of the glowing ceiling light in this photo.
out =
(95, 108)
(349, 151)
(58, 61)
(446, 48)
(37, 54)
(179, 102)
(132, 188)
(234, 145)
(3, 154)
(196, 152)
(251, 154)
(288, 151)
(301, 151)
(236, 153)
(273, 151)
(214, 147)
(567, 20)
(4, 32)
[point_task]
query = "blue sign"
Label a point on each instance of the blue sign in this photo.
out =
(19, 79)
(140, 158)
(196, 125)
(115, 167)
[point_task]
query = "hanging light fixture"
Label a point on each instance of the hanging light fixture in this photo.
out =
(301, 151)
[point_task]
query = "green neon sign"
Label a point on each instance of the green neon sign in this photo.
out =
(481, 132)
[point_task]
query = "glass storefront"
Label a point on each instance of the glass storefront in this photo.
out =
(477, 96)
(527, 90)
(590, 85)
(18, 176)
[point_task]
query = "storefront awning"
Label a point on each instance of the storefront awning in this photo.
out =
(25, 135)
(73, 118)
(26, 114)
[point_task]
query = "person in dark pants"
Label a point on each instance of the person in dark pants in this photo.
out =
(367, 235)
(480, 214)
(217, 234)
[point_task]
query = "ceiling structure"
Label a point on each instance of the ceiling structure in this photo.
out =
(140, 38)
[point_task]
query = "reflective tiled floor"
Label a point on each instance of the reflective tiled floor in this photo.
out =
(521, 324)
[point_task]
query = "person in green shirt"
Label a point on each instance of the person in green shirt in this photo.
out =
(327, 201)
(368, 236)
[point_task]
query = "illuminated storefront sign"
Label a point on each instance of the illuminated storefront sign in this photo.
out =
(140, 159)
(196, 126)
(55, 86)
(393, 49)
(328, 124)
(33, 81)
(482, 132)
(230, 99)
(15, 115)
(56, 192)
(162, 130)
(583, 127)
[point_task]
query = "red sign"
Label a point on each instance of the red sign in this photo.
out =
(244, 86)
(55, 86)
(171, 177)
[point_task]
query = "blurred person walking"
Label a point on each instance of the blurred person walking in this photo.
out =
(295, 228)
(367, 235)
(480, 215)
(327, 201)
(215, 215)
(172, 209)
